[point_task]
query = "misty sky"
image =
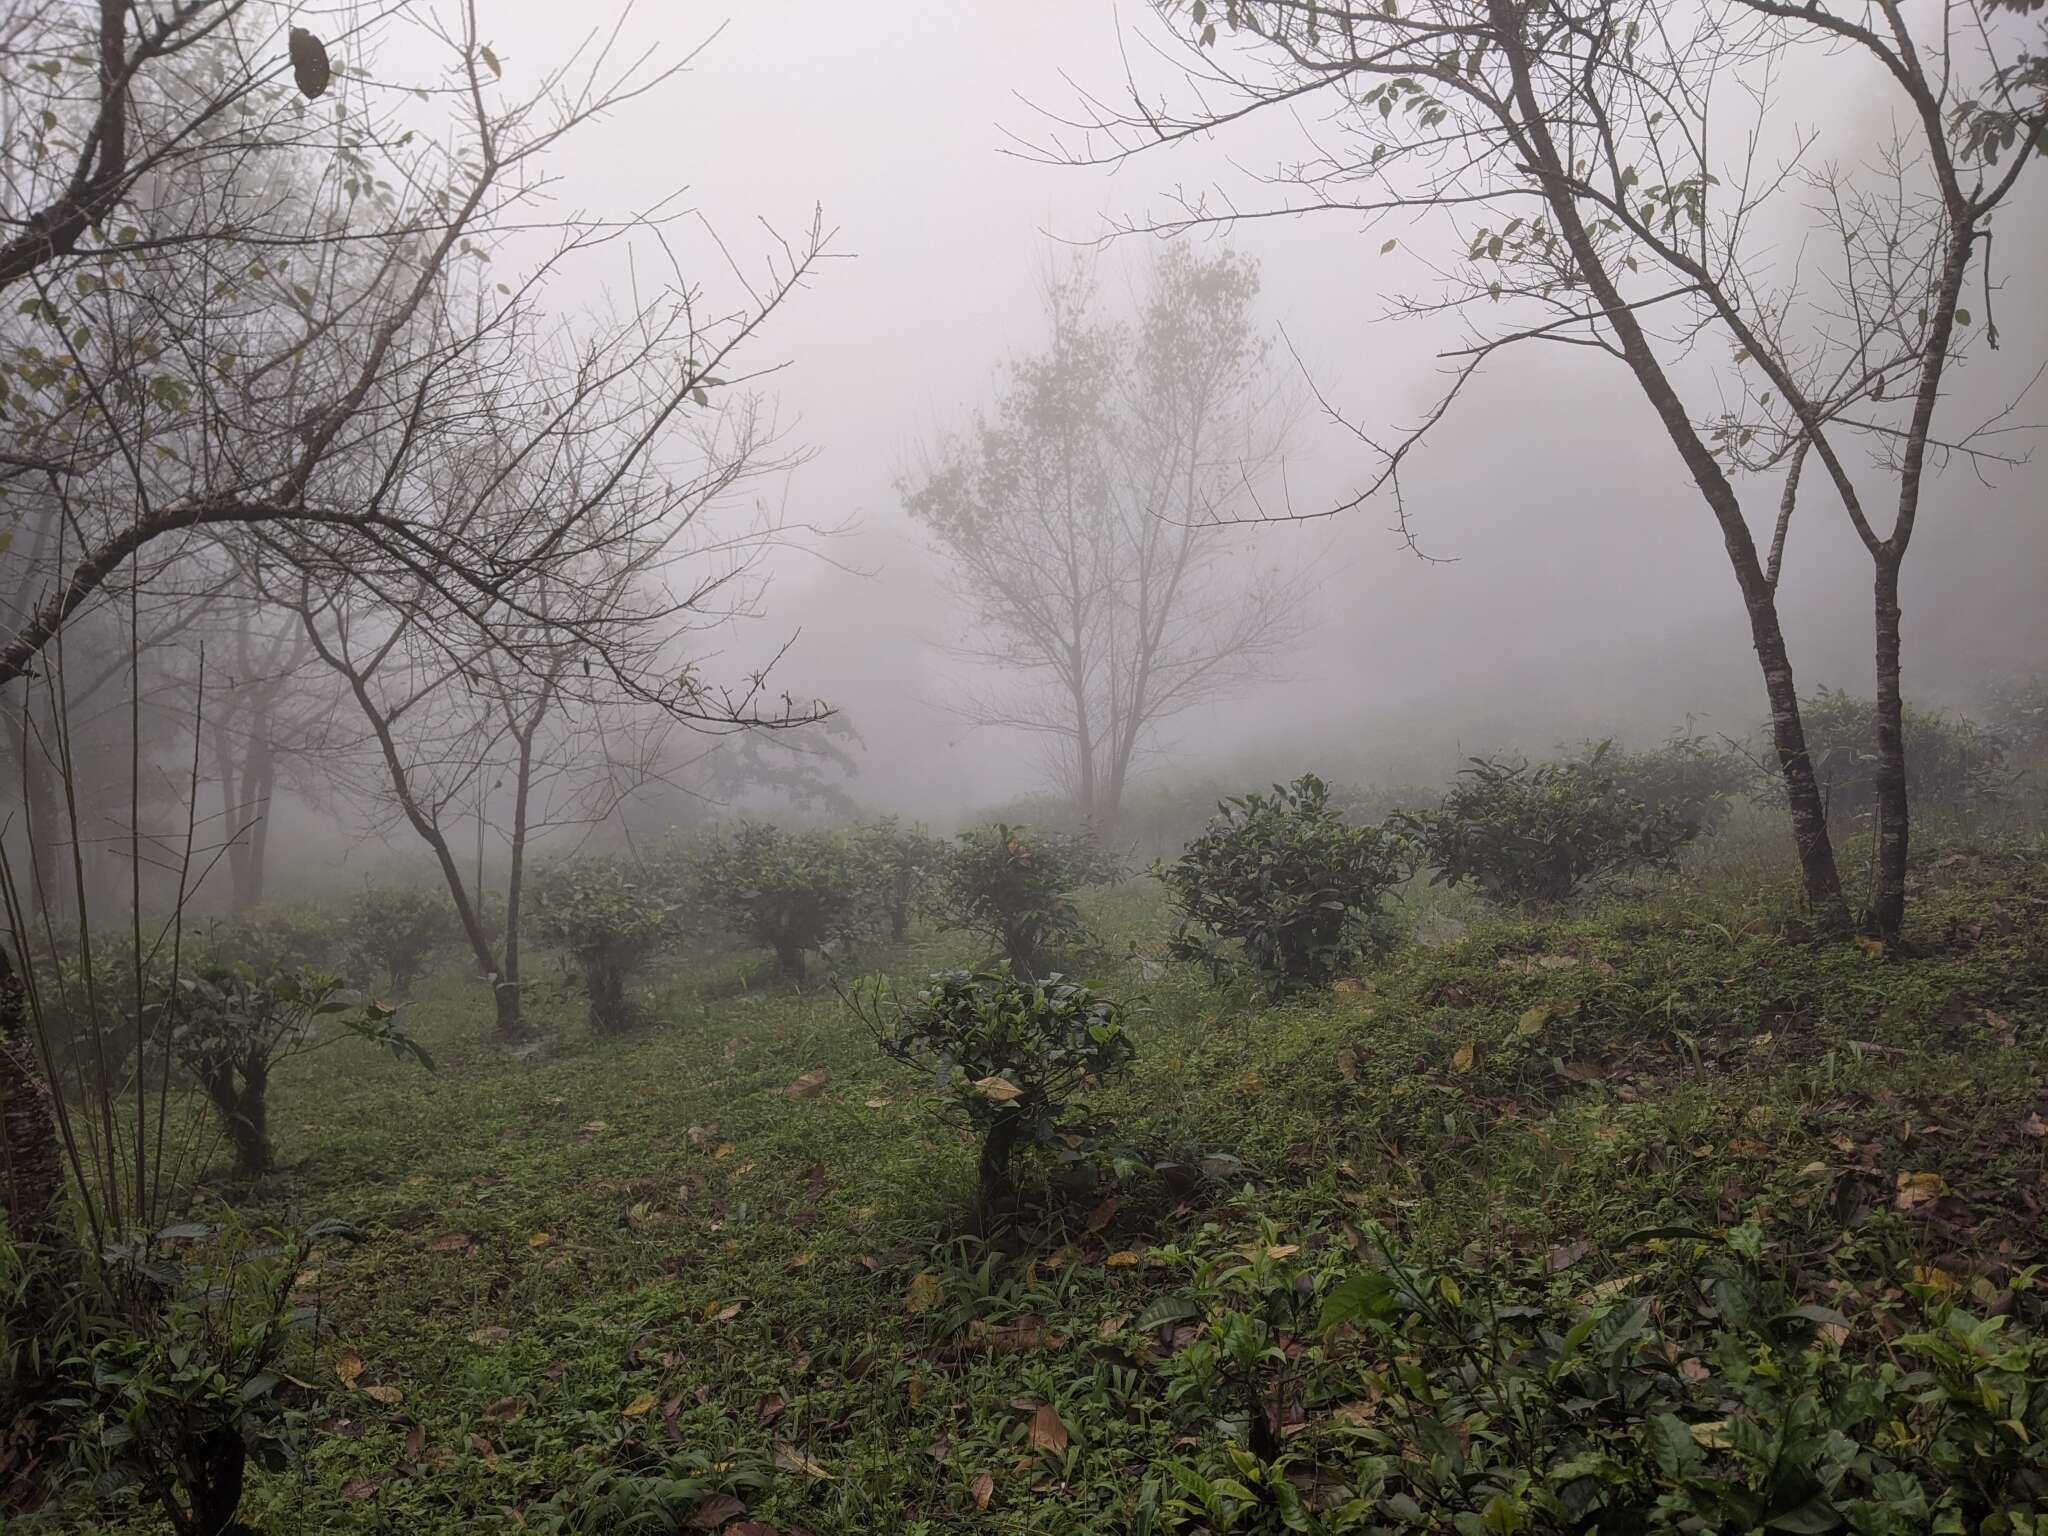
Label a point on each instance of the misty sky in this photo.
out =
(1588, 588)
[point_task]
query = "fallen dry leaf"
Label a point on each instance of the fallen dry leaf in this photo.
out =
(490, 1338)
(810, 1085)
(925, 1292)
(1461, 1058)
(722, 1151)
(790, 1459)
(2035, 1125)
(878, 1103)
(1357, 1413)
(507, 1410)
(714, 1510)
(998, 1089)
(642, 1404)
(983, 1488)
(592, 1128)
(1047, 1433)
(390, 1397)
(348, 1365)
(357, 1489)
(449, 1242)
(1916, 1189)
(540, 1239)
(1123, 1258)
(1103, 1214)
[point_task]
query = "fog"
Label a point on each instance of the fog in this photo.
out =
(1584, 590)
(1573, 585)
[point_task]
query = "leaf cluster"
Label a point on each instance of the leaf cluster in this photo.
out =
(1013, 886)
(1539, 833)
(1289, 881)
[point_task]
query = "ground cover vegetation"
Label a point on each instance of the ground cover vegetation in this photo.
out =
(1643, 1204)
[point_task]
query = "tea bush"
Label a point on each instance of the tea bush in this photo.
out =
(1692, 777)
(897, 866)
(1014, 885)
(1952, 764)
(611, 917)
(1008, 1055)
(395, 929)
(1288, 881)
(229, 1028)
(1540, 833)
(791, 892)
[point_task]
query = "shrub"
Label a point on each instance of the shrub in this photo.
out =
(230, 1029)
(286, 937)
(1008, 1054)
(2018, 711)
(1013, 886)
(792, 892)
(395, 928)
(1539, 834)
(180, 1382)
(611, 918)
(1689, 776)
(896, 868)
(1951, 763)
(1286, 878)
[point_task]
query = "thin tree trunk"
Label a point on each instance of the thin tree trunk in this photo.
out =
(1888, 894)
(31, 1159)
(1818, 871)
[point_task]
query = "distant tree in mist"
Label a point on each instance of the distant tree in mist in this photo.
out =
(1086, 519)
(1814, 306)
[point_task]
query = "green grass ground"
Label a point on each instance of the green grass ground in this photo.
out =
(640, 1285)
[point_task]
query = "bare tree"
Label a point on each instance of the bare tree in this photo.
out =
(1087, 522)
(1604, 199)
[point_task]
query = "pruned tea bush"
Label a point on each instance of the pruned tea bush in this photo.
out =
(1289, 882)
(230, 1028)
(792, 892)
(1014, 886)
(1009, 1055)
(1540, 833)
(612, 918)
(1952, 764)
(897, 867)
(396, 928)
(1693, 777)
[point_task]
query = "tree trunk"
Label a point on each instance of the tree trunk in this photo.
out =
(993, 1173)
(31, 1158)
(1888, 891)
(245, 1115)
(1818, 872)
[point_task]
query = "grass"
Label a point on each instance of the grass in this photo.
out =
(618, 1283)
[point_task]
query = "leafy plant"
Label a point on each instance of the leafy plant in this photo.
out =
(1289, 881)
(178, 1385)
(1539, 834)
(230, 1028)
(1952, 764)
(897, 866)
(1690, 776)
(1013, 886)
(612, 918)
(1007, 1054)
(793, 892)
(278, 937)
(395, 928)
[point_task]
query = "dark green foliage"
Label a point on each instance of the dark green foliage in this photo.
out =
(1692, 777)
(612, 917)
(1008, 1055)
(396, 928)
(1289, 881)
(180, 1383)
(1487, 1399)
(289, 936)
(897, 867)
(1014, 885)
(230, 1027)
(1952, 765)
(792, 892)
(1540, 833)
